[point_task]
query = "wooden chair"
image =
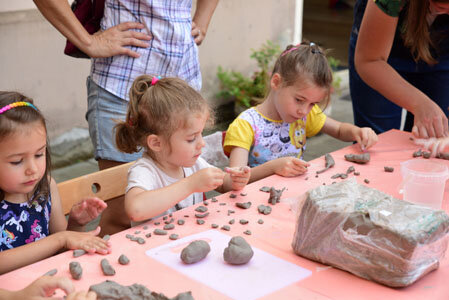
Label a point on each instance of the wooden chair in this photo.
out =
(106, 184)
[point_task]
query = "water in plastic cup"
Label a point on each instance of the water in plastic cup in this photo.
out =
(424, 182)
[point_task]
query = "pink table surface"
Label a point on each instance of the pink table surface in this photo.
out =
(274, 237)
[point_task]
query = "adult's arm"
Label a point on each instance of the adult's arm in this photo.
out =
(110, 42)
(372, 50)
(203, 14)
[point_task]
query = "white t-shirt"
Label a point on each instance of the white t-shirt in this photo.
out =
(145, 174)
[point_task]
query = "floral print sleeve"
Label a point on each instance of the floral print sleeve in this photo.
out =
(390, 7)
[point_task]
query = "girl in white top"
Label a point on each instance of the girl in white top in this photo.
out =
(166, 118)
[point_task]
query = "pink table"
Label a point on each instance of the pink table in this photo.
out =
(273, 238)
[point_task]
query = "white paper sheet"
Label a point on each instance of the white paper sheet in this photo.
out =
(262, 275)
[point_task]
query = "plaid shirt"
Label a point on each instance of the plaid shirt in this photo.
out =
(172, 51)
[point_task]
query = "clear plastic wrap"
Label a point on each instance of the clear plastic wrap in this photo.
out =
(370, 234)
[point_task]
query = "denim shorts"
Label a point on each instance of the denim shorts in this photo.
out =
(103, 111)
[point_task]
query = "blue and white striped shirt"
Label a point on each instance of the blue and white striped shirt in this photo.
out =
(172, 51)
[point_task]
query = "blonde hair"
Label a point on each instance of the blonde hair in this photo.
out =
(158, 109)
(306, 63)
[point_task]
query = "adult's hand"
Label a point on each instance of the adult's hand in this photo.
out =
(198, 34)
(114, 41)
(430, 120)
(110, 42)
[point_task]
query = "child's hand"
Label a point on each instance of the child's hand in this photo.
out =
(207, 179)
(289, 166)
(436, 145)
(87, 241)
(87, 210)
(44, 286)
(365, 137)
(239, 176)
(82, 295)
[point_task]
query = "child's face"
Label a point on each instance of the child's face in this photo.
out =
(22, 159)
(295, 102)
(186, 143)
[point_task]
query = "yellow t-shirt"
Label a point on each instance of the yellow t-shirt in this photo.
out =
(268, 139)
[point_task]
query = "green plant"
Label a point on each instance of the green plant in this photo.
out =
(245, 90)
(334, 64)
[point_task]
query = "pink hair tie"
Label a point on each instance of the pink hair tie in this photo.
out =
(291, 49)
(155, 79)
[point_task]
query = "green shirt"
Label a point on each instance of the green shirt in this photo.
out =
(391, 7)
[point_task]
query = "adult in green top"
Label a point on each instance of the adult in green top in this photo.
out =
(399, 58)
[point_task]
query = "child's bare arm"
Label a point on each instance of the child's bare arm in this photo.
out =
(141, 204)
(366, 137)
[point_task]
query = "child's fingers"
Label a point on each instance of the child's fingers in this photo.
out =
(301, 163)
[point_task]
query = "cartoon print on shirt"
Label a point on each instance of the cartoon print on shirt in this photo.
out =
(6, 238)
(16, 220)
(36, 231)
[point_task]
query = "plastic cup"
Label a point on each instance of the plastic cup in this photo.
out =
(424, 181)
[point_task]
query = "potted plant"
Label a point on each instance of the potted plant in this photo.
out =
(249, 91)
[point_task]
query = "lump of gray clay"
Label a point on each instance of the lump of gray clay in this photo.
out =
(358, 158)
(110, 290)
(201, 209)
(389, 169)
(214, 199)
(75, 270)
(169, 226)
(123, 259)
(247, 232)
(417, 153)
(199, 221)
(78, 252)
(264, 209)
(231, 221)
(328, 163)
(107, 269)
(214, 225)
(158, 231)
(202, 215)
(232, 196)
(195, 251)
(52, 272)
(265, 189)
(244, 205)
(238, 251)
(350, 170)
(426, 154)
(243, 221)
(173, 236)
(181, 222)
(260, 221)
(226, 227)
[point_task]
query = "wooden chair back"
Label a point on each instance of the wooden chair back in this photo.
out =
(105, 184)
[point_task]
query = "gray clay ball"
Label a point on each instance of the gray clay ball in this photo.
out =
(195, 251)
(238, 251)
(123, 259)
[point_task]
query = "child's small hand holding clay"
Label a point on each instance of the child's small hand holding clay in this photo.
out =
(288, 166)
(365, 137)
(239, 176)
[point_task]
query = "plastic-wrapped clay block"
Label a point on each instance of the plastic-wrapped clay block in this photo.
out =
(373, 235)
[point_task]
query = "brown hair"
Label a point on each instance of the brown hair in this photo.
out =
(10, 122)
(416, 32)
(306, 63)
(158, 109)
